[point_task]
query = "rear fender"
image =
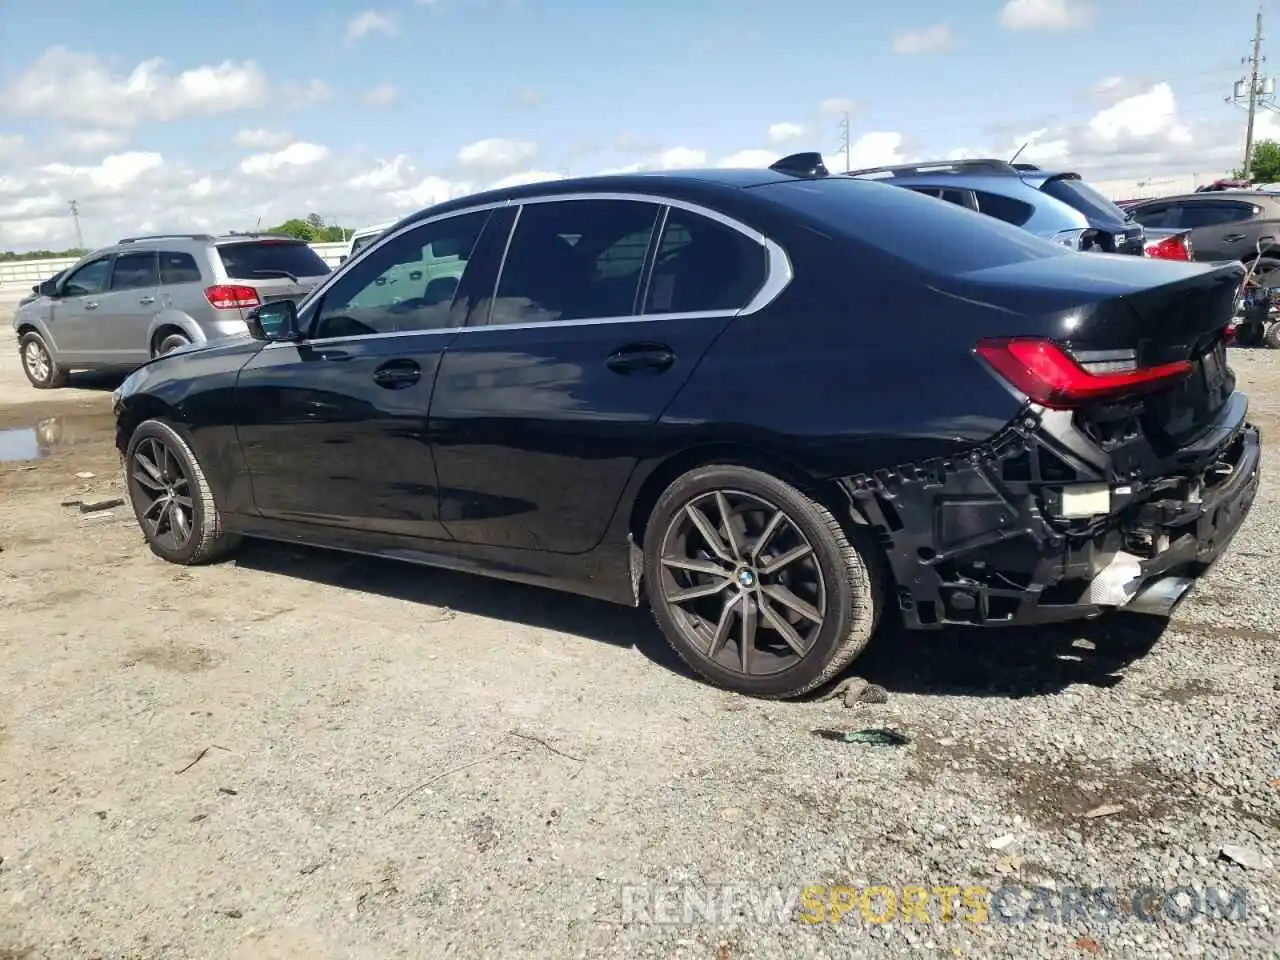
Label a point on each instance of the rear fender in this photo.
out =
(175, 319)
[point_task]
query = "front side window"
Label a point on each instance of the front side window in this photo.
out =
(135, 271)
(703, 265)
(89, 279)
(406, 284)
(574, 260)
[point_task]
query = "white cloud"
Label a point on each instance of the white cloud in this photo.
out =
(528, 176)
(528, 98)
(1046, 14)
(367, 22)
(836, 106)
(786, 132)
(79, 88)
(259, 139)
(91, 141)
(497, 155)
(385, 95)
(933, 39)
(294, 155)
(10, 145)
(750, 158)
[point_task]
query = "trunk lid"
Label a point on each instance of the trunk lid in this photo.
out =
(1115, 313)
(279, 269)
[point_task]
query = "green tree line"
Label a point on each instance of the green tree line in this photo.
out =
(1266, 163)
(310, 228)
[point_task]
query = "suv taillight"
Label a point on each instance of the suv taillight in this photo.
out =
(1170, 248)
(1048, 376)
(225, 296)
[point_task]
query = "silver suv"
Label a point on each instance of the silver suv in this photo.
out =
(142, 297)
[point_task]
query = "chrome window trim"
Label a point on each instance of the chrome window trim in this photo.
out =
(778, 276)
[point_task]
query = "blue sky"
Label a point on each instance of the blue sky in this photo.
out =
(709, 75)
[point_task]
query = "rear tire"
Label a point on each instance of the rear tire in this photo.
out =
(170, 342)
(735, 558)
(1272, 336)
(171, 497)
(43, 372)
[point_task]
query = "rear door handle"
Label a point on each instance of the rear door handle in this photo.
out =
(397, 374)
(641, 358)
(91, 305)
(1233, 237)
(147, 300)
(334, 355)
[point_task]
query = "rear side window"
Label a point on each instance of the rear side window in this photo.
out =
(935, 237)
(258, 259)
(135, 271)
(178, 268)
(702, 266)
(1004, 208)
(1082, 197)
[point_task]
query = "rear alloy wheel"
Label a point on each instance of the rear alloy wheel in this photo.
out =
(171, 497)
(756, 586)
(38, 363)
(171, 342)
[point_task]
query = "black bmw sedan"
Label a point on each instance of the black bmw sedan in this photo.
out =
(773, 404)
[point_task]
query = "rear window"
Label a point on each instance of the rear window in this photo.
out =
(1082, 197)
(933, 236)
(259, 259)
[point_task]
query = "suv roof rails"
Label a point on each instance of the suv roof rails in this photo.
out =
(166, 236)
(946, 166)
(802, 165)
(267, 234)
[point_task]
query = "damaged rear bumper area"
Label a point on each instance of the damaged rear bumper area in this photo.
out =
(1044, 524)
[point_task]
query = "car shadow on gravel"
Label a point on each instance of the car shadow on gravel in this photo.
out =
(467, 593)
(1008, 662)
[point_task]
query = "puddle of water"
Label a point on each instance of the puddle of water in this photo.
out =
(19, 445)
(32, 443)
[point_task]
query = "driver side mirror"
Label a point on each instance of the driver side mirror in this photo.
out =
(274, 321)
(46, 288)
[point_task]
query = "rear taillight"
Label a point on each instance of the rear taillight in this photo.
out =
(225, 296)
(1170, 248)
(1048, 376)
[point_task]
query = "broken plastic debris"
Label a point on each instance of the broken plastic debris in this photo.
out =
(873, 736)
(1117, 582)
(1106, 810)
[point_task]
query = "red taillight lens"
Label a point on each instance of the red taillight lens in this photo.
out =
(1170, 248)
(1051, 378)
(230, 296)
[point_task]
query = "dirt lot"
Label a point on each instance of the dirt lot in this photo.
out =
(298, 754)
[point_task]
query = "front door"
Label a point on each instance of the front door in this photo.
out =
(73, 322)
(335, 428)
(542, 411)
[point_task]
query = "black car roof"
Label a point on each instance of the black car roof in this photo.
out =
(694, 185)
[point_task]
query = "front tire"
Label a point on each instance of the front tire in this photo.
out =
(755, 585)
(38, 364)
(171, 497)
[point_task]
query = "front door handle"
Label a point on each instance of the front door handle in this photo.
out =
(641, 358)
(1233, 237)
(397, 374)
(146, 300)
(91, 305)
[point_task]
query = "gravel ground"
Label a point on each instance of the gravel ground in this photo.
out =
(300, 754)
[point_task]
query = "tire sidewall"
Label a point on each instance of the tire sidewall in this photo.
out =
(840, 605)
(1272, 335)
(32, 337)
(179, 340)
(180, 448)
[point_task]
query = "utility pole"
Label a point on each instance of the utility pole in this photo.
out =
(846, 141)
(1253, 94)
(75, 215)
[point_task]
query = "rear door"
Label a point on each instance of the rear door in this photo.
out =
(279, 269)
(542, 409)
(73, 323)
(124, 315)
(1220, 229)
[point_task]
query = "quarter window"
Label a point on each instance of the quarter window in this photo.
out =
(91, 278)
(574, 260)
(406, 284)
(178, 268)
(135, 271)
(703, 265)
(1004, 208)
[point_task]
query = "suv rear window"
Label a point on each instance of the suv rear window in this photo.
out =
(1080, 196)
(909, 226)
(256, 259)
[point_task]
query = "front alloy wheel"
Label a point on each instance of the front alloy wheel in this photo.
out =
(38, 364)
(756, 586)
